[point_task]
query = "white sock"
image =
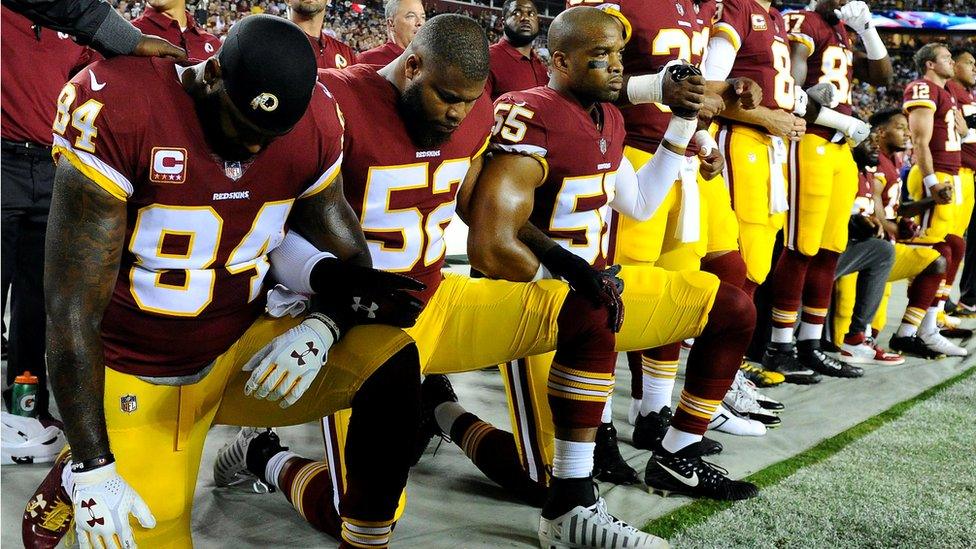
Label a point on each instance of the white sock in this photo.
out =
(868, 331)
(572, 459)
(274, 466)
(907, 329)
(607, 411)
(675, 439)
(782, 335)
(657, 393)
(929, 323)
(809, 331)
(446, 414)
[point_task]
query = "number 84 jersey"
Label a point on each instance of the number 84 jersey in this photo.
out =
(198, 228)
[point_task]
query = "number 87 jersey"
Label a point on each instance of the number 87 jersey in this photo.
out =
(198, 228)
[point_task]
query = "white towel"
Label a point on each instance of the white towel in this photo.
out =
(689, 219)
(777, 183)
(282, 301)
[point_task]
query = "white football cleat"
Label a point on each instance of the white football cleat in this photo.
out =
(230, 467)
(938, 343)
(593, 527)
(725, 421)
(27, 440)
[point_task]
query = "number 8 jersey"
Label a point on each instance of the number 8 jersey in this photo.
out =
(830, 59)
(199, 229)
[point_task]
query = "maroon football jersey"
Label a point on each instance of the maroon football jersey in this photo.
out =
(331, 53)
(581, 161)
(512, 71)
(669, 31)
(762, 50)
(404, 196)
(199, 229)
(36, 64)
(198, 43)
(864, 201)
(830, 59)
(887, 172)
(965, 100)
(380, 55)
(945, 144)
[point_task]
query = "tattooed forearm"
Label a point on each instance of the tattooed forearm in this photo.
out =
(329, 222)
(85, 234)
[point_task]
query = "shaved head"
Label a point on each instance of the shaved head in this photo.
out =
(451, 40)
(577, 27)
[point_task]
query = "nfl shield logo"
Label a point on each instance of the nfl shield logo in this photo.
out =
(233, 170)
(128, 403)
(603, 146)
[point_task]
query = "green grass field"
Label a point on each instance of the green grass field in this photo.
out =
(904, 478)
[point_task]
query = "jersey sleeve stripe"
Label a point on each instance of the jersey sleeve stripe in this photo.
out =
(805, 40)
(93, 168)
(533, 151)
(325, 180)
(730, 33)
(482, 149)
(926, 103)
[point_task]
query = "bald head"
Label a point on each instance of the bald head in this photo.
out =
(578, 28)
(452, 40)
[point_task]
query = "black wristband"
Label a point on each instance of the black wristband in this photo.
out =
(92, 464)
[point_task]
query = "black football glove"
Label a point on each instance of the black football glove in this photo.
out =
(602, 288)
(679, 73)
(352, 295)
(970, 120)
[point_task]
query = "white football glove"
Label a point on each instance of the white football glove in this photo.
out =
(855, 15)
(102, 503)
(286, 366)
(857, 132)
(824, 94)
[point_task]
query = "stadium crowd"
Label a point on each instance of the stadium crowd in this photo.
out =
(722, 234)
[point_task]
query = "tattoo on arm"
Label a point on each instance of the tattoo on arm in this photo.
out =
(329, 222)
(85, 236)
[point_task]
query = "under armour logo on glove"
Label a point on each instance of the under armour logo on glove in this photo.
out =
(370, 311)
(286, 367)
(301, 357)
(93, 520)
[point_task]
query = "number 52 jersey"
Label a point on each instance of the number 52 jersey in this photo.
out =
(198, 228)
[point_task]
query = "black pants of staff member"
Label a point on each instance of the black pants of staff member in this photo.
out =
(967, 284)
(27, 180)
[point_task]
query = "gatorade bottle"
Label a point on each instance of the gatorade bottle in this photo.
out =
(25, 395)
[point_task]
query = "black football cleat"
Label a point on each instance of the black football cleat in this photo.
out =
(649, 430)
(608, 464)
(810, 355)
(781, 357)
(685, 472)
(913, 346)
(49, 514)
(434, 391)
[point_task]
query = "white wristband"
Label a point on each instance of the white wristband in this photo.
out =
(873, 44)
(680, 130)
(705, 141)
(540, 273)
(832, 119)
(800, 104)
(930, 181)
(646, 88)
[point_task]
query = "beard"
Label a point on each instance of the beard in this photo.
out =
(519, 40)
(208, 112)
(307, 9)
(411, 107)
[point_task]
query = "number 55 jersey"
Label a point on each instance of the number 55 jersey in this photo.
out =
(199, 229)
